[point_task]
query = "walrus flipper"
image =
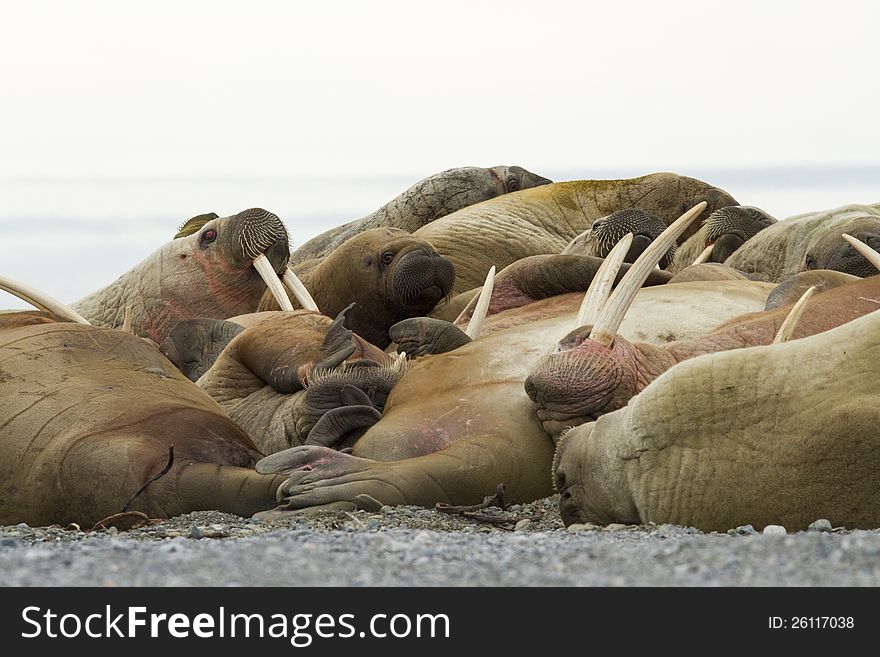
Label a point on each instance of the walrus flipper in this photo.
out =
(338, 342)
(421, 336)
(194, 344)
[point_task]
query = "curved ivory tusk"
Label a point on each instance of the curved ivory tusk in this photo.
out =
(299, 291)
(615, 309)
(267, 273)
(475, 326)
(600, 286)
(788, 326)
(870, 254)
(40, 299)
(126, 320)
(704, 255)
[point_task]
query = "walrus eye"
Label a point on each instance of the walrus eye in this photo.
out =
(387, 257)
(811, 262)
(598, 224)
(208, 236)
(512, 184)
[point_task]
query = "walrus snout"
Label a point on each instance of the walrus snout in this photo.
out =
(422, 277)
(257, 231)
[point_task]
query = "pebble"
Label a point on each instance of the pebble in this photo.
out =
(522, 524)
(366, 502)
(195, 532)
(774, 530)
(614, 526)
(580, 527)
(742, 530)
(821, 525)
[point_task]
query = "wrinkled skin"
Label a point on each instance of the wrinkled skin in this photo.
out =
(545, 219)
(608, 231)
(207, 274)
(793, 287)
(390, 274)
(87, 415)
(727, 229)
(425, 201)
(281, 375)
(810, 241)
(585, 379)
(780, 434)
(459, 423)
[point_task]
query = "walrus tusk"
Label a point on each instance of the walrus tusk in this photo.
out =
(870, 254)
(476, 324)
(299, 291)
(704, 255)
(600, 286)
(615, 309)
(40, 299)
(788, 326)
(126, 320)
(267, 273)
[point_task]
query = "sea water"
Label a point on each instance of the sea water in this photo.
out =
(69, 237)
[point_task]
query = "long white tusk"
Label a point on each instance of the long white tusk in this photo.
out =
(615, 309)
(870, 254)
(476, 324)
(600, 286)
(704, 255)
(299, 291)
(788, 326)
(40, 299)
(126, 320)
(264, 267)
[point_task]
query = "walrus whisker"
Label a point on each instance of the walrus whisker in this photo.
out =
(267, 273)
(152, 479)
(869, 254)
(475, 326)
(704, 255)
(615, 309)
(790, 323)
(600, 286)
(40, 300)
(299, 290)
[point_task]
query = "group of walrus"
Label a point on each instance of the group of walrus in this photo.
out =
(648, 348)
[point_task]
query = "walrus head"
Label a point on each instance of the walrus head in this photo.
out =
(731, 227)
(832, 252)
(607, 231)
(416, 277)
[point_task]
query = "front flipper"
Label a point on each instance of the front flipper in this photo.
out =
(320, 476)
(341, 427)
(194, 344)
(420, 336)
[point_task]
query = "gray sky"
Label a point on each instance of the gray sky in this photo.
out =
(293, 88)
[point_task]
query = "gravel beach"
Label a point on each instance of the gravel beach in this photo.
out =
(408, 546)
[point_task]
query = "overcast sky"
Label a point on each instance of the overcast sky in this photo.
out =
(293, 88)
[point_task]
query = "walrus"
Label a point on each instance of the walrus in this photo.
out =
(211, 273)
(779, 434)
(607, 231)
(458, 423)
(425, 201)
(388, 273)
(725, 230)
(89, 414)
(810, 241)
(546, 219)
